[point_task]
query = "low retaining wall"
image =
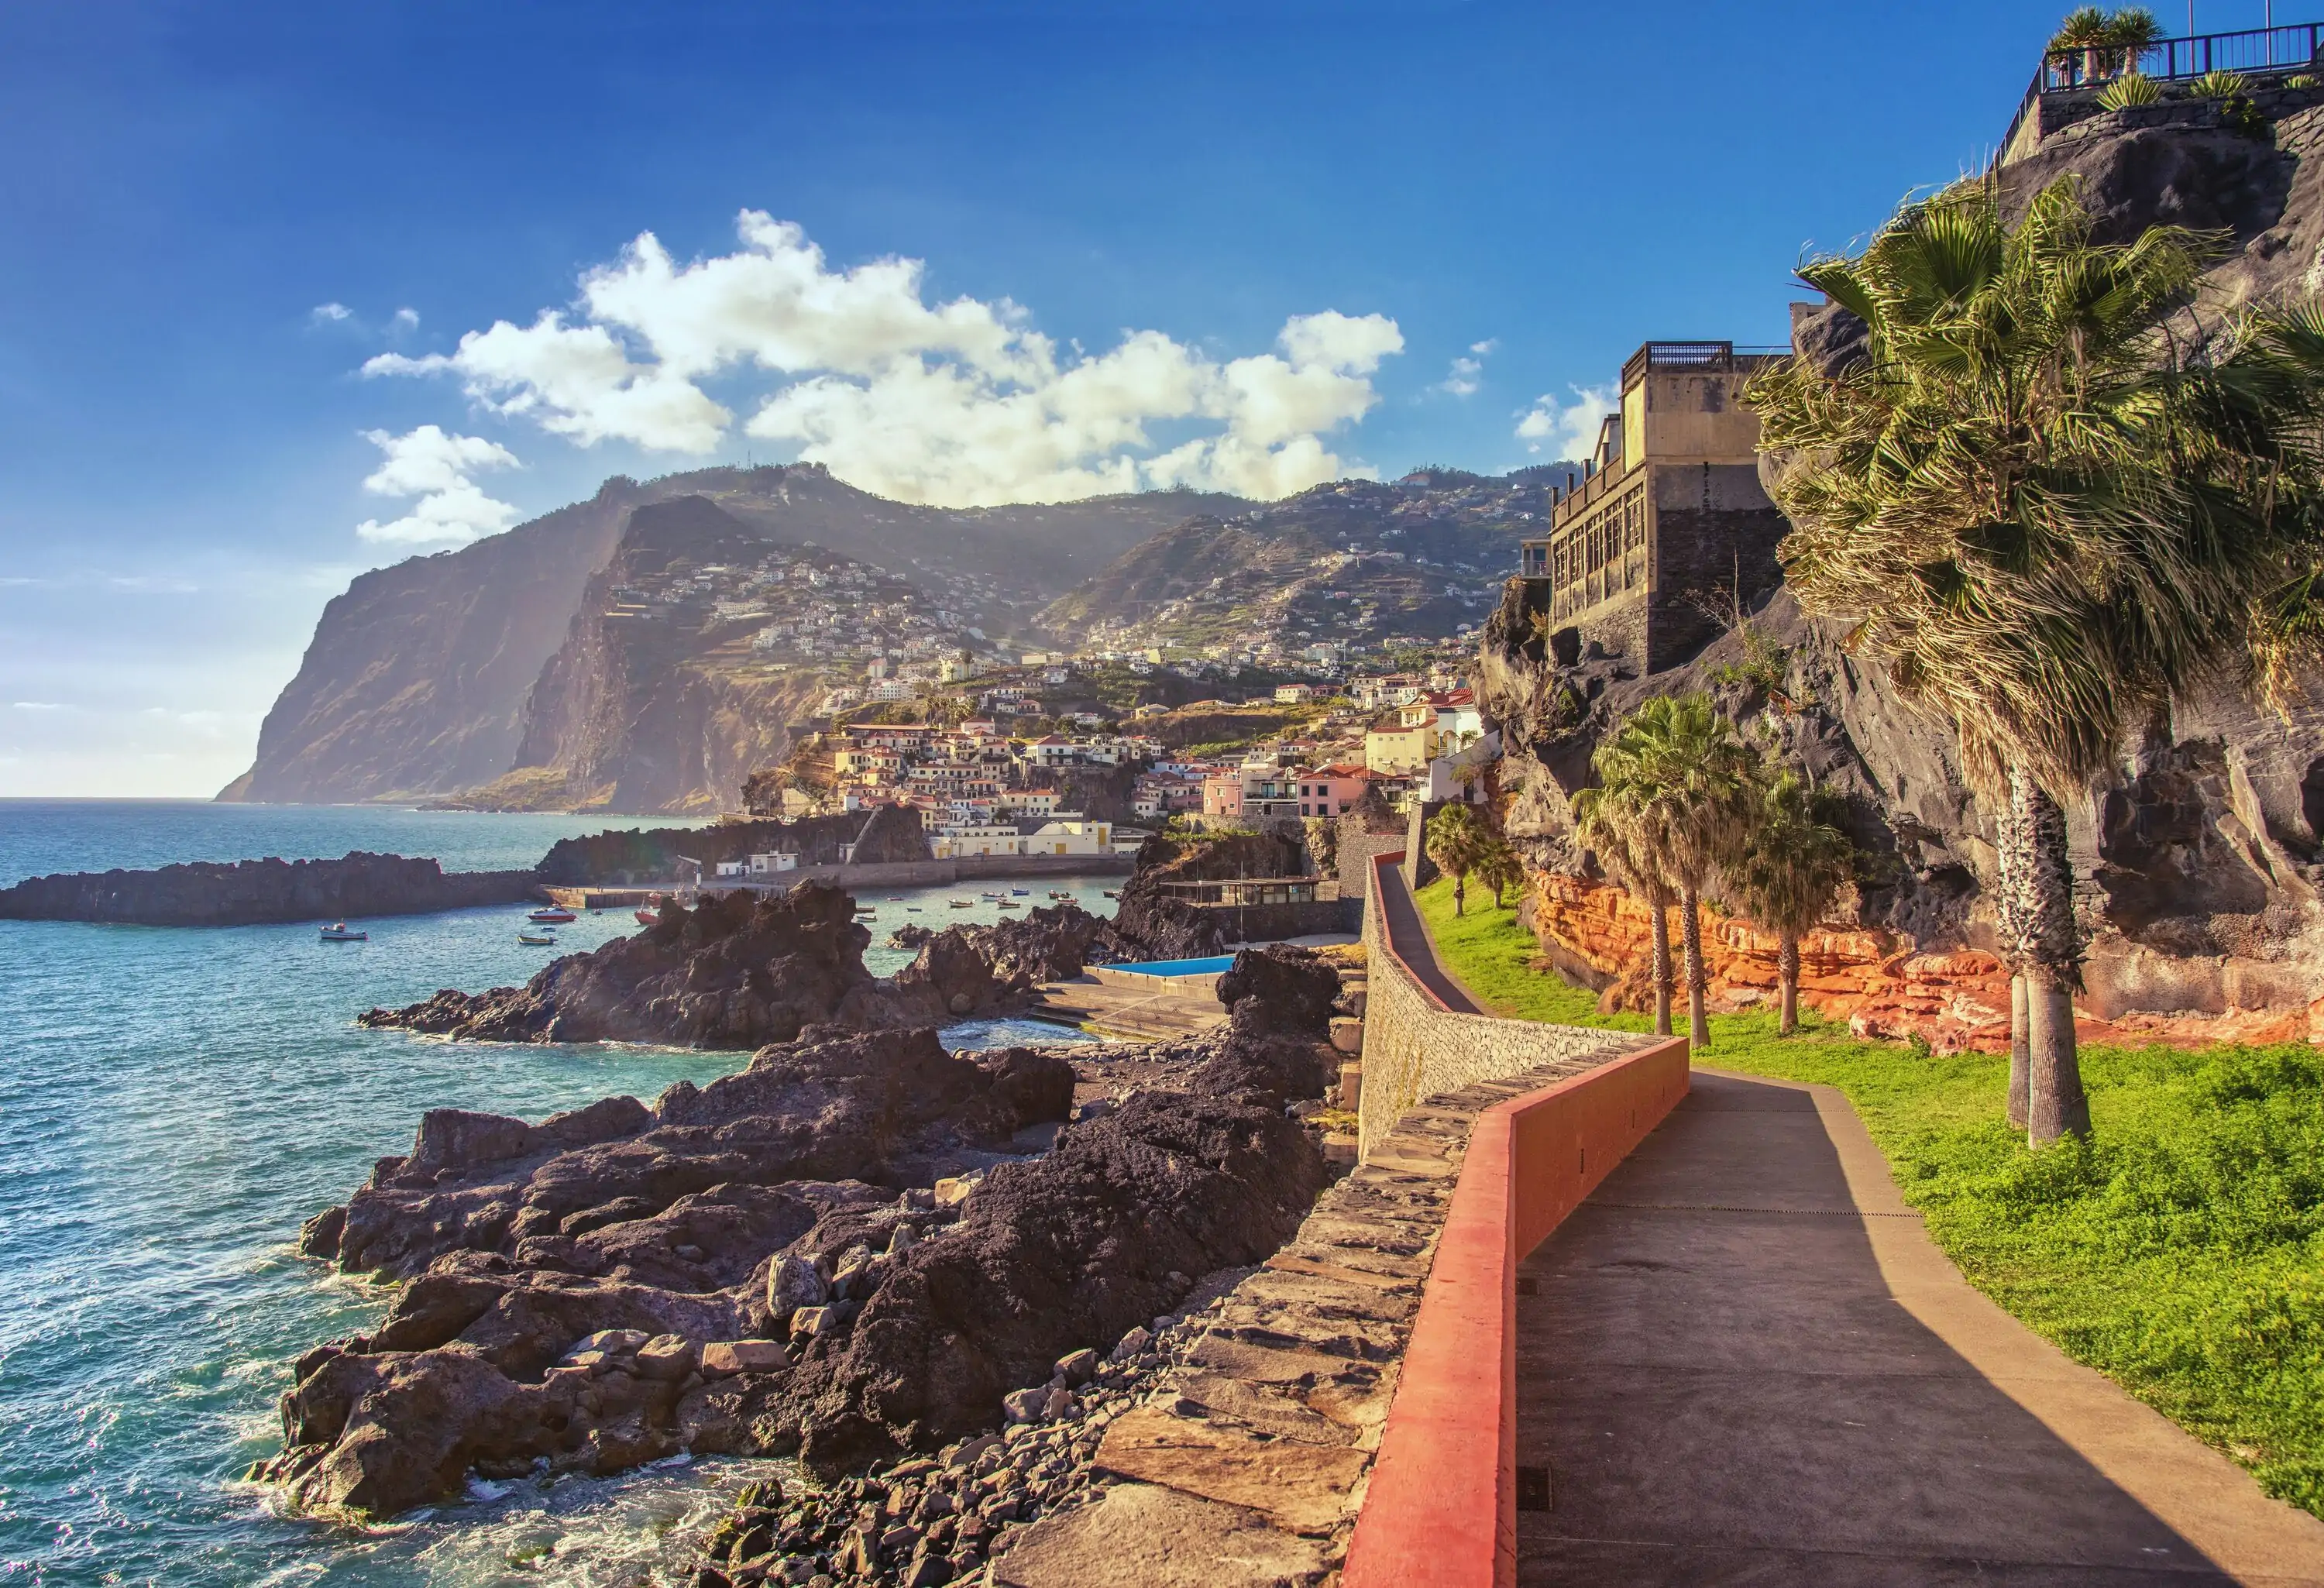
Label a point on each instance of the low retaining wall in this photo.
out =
(1246, 1463)
(1441, 1509)
(1414, 1046)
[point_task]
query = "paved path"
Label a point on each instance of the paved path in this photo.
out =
(1408, 933)
(1743, 1361)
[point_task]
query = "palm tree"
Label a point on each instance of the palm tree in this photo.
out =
(2048, 509)
(1620, 823)
(1455, 841)
(1678, 784)
(1794, 864)
(1501, 867)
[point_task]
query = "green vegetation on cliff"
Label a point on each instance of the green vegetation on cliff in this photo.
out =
(2179, 1249)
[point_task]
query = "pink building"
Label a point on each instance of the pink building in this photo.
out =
(1330, 790)
(1222, 793)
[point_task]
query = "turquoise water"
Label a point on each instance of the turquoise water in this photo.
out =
(173, 1102)
(1181, 967)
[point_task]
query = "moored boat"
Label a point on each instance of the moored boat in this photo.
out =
(1010, 904)
(336, 932)
(537, 939)
(962, 903)
(550, 915)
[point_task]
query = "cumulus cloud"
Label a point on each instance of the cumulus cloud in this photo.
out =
(326, 313)
(404, 320)
(1567, 429)
(961, 404)
(434, 466)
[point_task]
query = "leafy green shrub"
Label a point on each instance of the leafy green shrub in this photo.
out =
(2220, 85)
(2132, 87)
(2300, 80)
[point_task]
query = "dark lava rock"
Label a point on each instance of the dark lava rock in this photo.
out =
(1161, 926)
(521, 1243)
(209, 893)
(1280, 989)
(1080, 1245)
(744, 969)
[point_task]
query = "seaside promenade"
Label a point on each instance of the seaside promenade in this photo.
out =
(1742, 1359)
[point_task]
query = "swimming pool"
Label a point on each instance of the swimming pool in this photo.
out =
(1180, 967)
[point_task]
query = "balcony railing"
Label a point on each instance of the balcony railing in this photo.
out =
(2257, 49)
(1709, 355)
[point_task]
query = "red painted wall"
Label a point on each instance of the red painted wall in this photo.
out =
(1441, 1509)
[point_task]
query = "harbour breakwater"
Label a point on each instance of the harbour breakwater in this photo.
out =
(251, 892)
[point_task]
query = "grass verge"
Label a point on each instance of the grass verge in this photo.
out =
(2180, 1251)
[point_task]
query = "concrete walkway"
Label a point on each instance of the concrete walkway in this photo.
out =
(1743, 1361)
(1408, 933)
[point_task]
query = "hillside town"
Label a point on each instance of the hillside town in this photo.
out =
(1063, 771)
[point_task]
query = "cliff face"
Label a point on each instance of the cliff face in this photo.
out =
(2198, 862)
(416, 679)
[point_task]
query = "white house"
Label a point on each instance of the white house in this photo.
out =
(1078, 836)
(769, 864)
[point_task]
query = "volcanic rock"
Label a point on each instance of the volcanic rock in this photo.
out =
(207, 893)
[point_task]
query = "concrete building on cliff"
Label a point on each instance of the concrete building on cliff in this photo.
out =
(1669, 525)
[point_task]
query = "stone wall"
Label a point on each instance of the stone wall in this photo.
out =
(1714, 529)
(1414, 1050)
(1247, 1463)
(1363, 834)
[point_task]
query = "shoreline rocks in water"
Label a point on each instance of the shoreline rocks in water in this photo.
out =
(258, 893)
(855, 1249)
(744, 969)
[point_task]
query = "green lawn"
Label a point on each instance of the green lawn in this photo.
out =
(2181, 1250)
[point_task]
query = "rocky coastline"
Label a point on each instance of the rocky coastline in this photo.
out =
(257, 892)
(859, 1250)
(744, 969)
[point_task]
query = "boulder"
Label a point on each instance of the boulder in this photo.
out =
(723, 1359)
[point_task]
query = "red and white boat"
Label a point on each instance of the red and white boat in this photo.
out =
(550, 915)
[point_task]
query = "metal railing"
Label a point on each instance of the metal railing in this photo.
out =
(1718, 355)
(2256, 50)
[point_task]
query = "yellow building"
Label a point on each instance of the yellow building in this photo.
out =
(1394, 748)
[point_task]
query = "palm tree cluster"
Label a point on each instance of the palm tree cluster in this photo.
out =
(1682, 807)
(2049, 496)
(1463, 845)
(2107, 43)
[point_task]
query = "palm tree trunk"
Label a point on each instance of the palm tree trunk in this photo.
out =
(2010, 920)
(1787, 973)
(1698, 1023)
(2020, 1052)
(1661, 904)
(2056, 1104)
(1459, 892)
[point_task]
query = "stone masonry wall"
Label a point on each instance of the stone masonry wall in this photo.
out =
(1414, 1050)
(1244, 1463)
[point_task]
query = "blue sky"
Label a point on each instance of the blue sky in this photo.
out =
(1323, 205)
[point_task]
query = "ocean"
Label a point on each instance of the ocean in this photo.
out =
(174, 1102)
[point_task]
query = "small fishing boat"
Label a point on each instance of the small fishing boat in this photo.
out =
(537, 939)
(962, 903)
(336, 932)
(648, 918)
(895, 898)
(1110, 893)
(1059, 894)
(550, 915)
(1018, 894)
(911, 910)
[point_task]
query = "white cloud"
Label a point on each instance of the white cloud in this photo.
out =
(40, 706)
(404, 320)
(1567, 429)
(960, 403)
(1466, 377)
(434, 466)
(323, 312)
